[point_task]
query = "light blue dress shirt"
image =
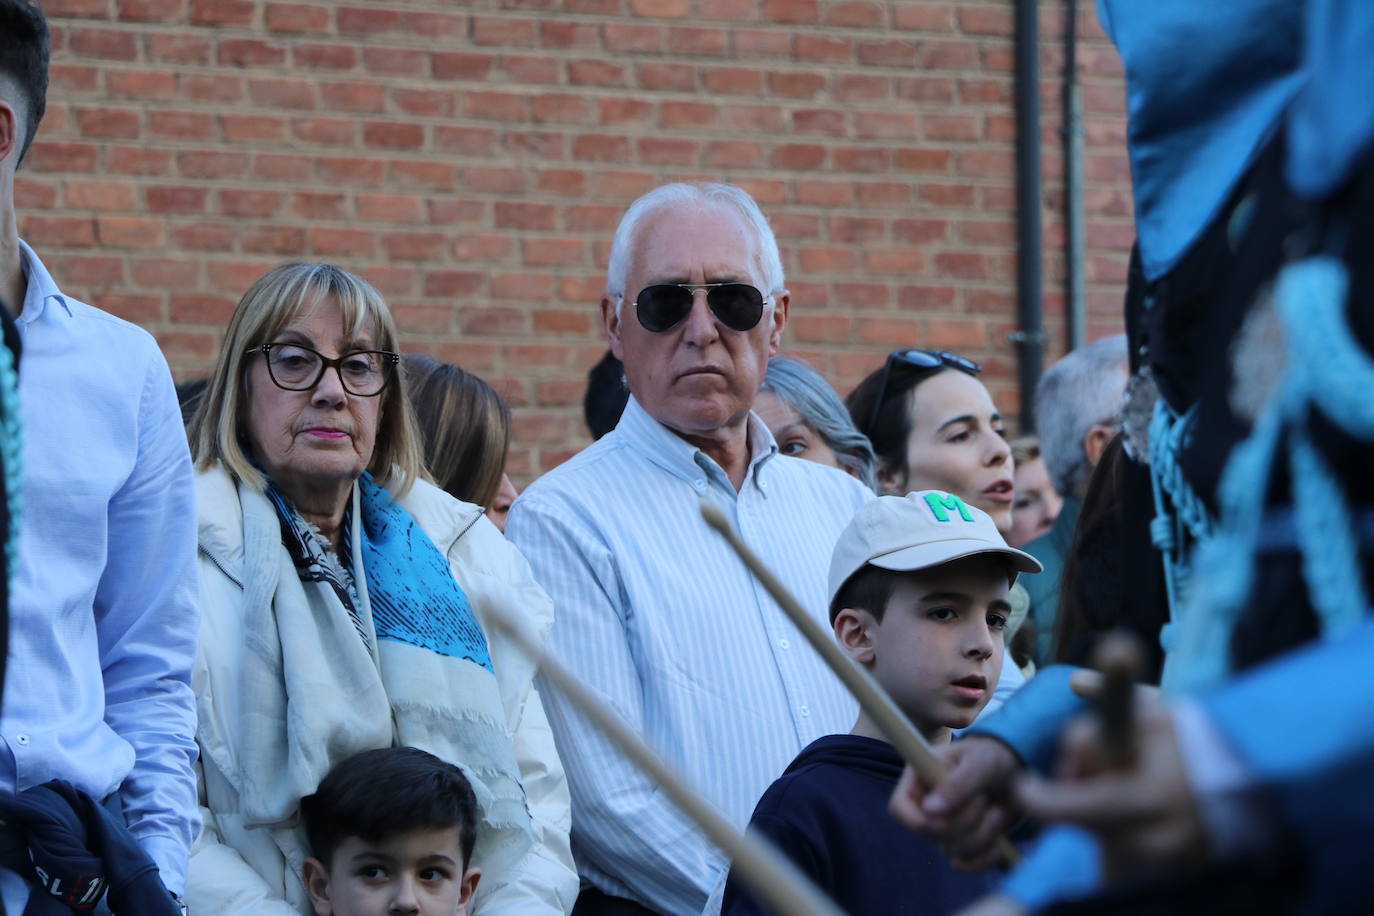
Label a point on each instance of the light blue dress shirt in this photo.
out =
(103, 610)
(659, 617)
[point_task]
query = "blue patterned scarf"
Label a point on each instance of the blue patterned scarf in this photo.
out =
(415, 599)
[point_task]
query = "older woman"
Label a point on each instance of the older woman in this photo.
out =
(342, 602)
(808, 420)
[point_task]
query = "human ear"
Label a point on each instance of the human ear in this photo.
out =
(317, 883)
(854, 633)
(891, 479)
(1095, 442)
(782, 300)
(610, 321)
(469, 887)
(9, 131)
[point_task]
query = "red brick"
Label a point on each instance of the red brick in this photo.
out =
(175, 199)
(601, 148)
(862, 159)
(497, 106)
(627, 38)
(223, 12)
(67, 231)
(94, 9)
(250, 128)
(699, 42)
(177, 48)
(661, 9)
(796, 84)
(830, 122)
(72, 78)
(107, 123)
(83, 270)
(280, 167)
(798, 157)
(128, 232)
(822, 193)
(395, 61)
(143, 84)
(596, 217)
(666, 77)
(250, 204)
(733, 81)
(488, 30)
(204, 87)
(524, 215)
(864, 295)
(543, 144)
(393, 134)
(335, 170)
(322, 56)
(99, 195)
(624, 111)
(930, 17)
(329, 241)
(687, 114)
(750, 44)
(951, 334)
(433, 176)
(562, 109)
(211, 164)
(106, 44)
(181, 125)
(792, 12)
(530, 68)
(250, 52)
(282, 93)
(597, 73)
(363, 97)
(563, 35)
(467, 141)
(524, 285)
(732, 154)
(454, 283)
(414, 246)
(367, 20)
(202, 308)
(951, 54)
(821, 49)
(61, 157)
(666, 150)
(325, 131)
(493, 180)
(318, 205)
(137, 160)
(885, 125)
(563, 182)
(204, 237)
(297, 18)
(887, 52)
(453, 65)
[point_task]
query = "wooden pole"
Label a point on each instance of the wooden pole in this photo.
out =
(894, 724)
(768, 873)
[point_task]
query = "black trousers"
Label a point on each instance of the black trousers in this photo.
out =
(592, 902)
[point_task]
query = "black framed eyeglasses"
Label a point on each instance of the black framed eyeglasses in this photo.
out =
(664, 306)
(364, 373)
(916, 359)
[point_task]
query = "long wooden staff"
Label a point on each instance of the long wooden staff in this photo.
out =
(894, 724)
(774, 878)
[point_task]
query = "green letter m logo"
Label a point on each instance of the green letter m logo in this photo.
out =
(941, 504)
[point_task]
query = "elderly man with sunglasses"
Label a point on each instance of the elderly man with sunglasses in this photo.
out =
(654, 611)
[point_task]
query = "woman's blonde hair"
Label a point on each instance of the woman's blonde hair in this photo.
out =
(465, 426)
(275, 300)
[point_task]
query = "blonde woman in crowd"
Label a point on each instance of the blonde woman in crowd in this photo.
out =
(343, 598)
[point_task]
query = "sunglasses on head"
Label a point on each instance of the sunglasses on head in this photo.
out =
(663, 306)
(916, 359)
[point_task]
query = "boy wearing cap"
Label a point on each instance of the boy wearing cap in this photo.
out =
(918, 588)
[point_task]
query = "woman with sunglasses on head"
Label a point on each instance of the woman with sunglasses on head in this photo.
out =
(933, 425)
(342, 602)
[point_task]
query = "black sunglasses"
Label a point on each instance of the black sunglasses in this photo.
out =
(663, 306)
(917, 359)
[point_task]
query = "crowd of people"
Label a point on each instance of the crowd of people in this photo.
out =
(252, 665)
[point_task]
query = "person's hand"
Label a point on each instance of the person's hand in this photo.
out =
(1145, 816)
(972, 806)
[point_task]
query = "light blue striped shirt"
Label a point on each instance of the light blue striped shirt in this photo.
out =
(657, 614)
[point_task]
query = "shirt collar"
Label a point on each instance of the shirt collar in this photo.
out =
(679, 457)
(41, 287)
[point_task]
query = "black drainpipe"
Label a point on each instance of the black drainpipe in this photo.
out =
(1029, 338)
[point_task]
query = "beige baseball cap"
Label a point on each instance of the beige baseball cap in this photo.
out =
(918, 531)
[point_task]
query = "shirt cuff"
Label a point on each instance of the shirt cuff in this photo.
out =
(1233, 815)
(1064, 864)
(169, 855)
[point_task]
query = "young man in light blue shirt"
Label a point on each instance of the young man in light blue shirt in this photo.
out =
(103, 612)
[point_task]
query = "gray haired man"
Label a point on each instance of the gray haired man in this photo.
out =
(1078, 411)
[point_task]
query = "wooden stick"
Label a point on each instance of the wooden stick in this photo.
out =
(894, 724)
(767, 872)
(1119, 658)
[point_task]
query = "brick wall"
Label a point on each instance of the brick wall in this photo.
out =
(471, 160)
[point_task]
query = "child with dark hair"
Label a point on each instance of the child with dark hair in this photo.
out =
(391, 831)
(919, 587)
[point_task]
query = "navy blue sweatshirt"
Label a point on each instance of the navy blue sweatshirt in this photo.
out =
(828, 814)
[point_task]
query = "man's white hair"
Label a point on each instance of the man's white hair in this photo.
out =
(712, 193)
(1082, 390)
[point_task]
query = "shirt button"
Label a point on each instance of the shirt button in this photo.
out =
(805, 711)
(763, 484)
(699, 484)
(786, 644)
(22, 739)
